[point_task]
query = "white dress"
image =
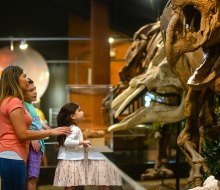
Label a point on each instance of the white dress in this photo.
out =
(77, 168)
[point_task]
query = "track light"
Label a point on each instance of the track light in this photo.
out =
(23, 45)
(111, 40)
(12, 45)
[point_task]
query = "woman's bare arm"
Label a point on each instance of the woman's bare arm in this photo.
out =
(19, 125)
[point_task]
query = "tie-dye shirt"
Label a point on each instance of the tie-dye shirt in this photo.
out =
(36, 122)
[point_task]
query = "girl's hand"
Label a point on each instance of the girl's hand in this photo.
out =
(60, 131)
(86, 143)
(36, 145)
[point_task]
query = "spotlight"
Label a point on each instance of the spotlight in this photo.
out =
(23, 45)
(12, 46)
(111, 40)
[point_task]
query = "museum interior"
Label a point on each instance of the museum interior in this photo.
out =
(145, 73)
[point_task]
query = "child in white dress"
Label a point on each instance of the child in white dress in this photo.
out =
(78, 164)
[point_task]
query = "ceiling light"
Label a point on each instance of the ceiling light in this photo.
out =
(23, 45)
(12, 46)
(111, 40)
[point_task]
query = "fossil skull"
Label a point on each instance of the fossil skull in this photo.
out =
(193, 24)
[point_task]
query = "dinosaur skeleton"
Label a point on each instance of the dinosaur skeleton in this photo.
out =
(138, 57)
(195, 24)
(165, 90)
(160, 83)
(160, 79)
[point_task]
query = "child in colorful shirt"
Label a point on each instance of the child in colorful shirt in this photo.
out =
(37, 147)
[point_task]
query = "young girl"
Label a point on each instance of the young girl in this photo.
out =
(37, 147)
(75, 166)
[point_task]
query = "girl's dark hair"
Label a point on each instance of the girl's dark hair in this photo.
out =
(30, 81)
(64, 119)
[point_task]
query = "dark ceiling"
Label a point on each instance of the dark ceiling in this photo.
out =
(125, 15)
(49, 18)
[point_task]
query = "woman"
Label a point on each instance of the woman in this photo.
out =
(14, 129)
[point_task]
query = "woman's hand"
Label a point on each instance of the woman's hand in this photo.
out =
(60, 131)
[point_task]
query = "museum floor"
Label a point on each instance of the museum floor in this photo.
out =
(166, 184)
(130, 170)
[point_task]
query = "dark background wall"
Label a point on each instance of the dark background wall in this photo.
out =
(49, 18)
(40, 19)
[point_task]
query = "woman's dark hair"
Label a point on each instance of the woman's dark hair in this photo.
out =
(64, 119)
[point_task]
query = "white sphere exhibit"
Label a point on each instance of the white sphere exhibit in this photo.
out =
(31, 61)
